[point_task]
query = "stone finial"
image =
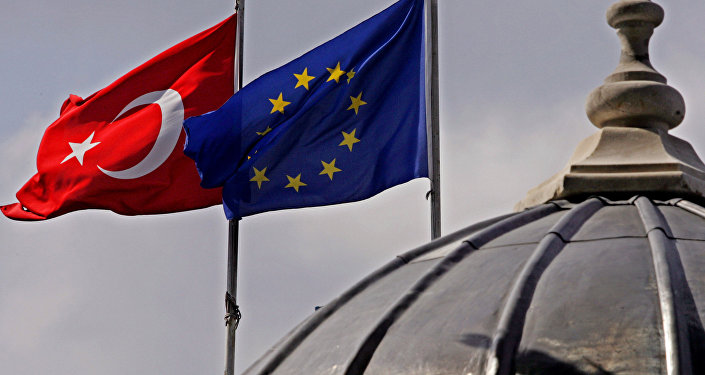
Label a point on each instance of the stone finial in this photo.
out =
(634, 109)
(635, 94)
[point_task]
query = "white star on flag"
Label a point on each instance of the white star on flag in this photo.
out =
(79, 149)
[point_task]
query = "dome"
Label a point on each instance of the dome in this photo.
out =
(600, 270)
(596, 287)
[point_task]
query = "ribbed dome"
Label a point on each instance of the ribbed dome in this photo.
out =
(597, 287)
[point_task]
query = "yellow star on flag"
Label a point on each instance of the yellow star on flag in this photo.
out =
(278, 104)
(295, 182)
(259, 176)
(262, 133)
(349, 139)
(329, 169)
(356, 102)
(335, 73)
(303, 78)
(350, 75)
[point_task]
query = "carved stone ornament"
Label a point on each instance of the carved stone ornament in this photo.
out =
(634, 109)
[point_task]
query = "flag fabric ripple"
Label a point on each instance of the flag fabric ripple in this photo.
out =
(121, 148)
(341, 123)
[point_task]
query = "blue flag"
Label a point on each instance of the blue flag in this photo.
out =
(341, 123)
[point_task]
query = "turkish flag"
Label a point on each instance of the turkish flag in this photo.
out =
(121, 148)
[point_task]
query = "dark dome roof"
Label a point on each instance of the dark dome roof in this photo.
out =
(597, 287)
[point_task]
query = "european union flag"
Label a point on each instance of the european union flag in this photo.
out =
(341, 123)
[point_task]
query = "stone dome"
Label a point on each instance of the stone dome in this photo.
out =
(601, 270)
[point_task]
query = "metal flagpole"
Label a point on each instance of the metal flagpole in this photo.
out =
(232, 311)
(432, 116)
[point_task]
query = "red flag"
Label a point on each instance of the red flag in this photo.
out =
(121, 148)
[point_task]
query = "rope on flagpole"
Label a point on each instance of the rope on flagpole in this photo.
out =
(233, 314)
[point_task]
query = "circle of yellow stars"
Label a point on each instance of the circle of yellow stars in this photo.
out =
(349, 139)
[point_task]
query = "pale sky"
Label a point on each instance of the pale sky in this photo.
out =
(95, 292)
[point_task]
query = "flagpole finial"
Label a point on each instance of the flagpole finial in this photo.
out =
(635, 94)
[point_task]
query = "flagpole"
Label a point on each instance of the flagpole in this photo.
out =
(432, 115)
(232, 311)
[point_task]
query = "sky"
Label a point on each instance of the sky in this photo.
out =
(95, 292)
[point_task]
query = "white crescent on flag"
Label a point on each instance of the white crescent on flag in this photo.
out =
(172, 109)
